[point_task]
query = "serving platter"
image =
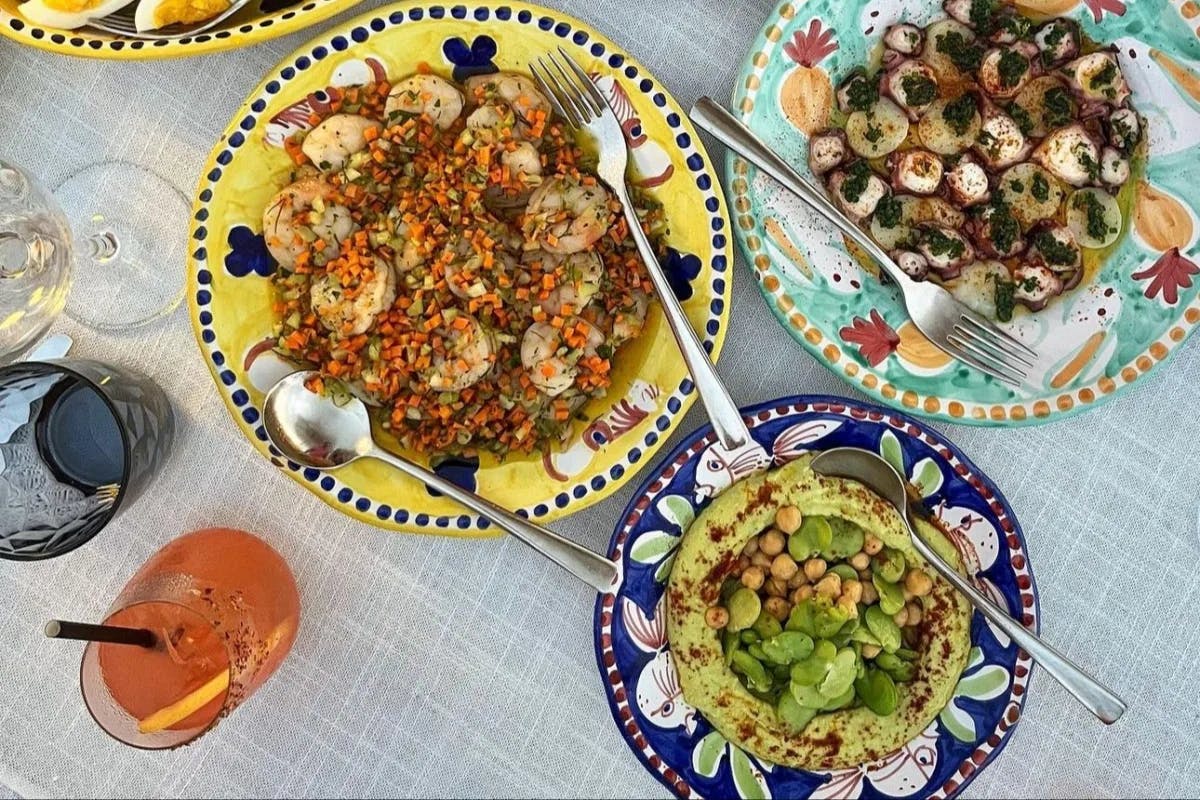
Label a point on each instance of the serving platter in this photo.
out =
(1095, 341)
(676, 744)
(259, 21)
(231, 296)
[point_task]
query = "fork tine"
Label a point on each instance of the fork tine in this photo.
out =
(990, 329)
(1001, 349)
(574, 92)
(565, 96)
(599, 103)
(551, 95)
(982, 360)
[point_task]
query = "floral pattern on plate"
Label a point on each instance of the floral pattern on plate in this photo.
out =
(1095, 341)
(676, 743)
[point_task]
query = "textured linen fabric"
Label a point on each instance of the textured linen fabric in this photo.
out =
(427, 666)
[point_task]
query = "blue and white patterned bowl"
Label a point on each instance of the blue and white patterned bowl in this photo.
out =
(677, 744)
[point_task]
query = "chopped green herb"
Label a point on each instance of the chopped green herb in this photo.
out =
(986, 138)
(1097, 226)
(1040, 187)
(1021, 117)
(889, 212)
(1029, 284)
(1105, 76)
(855, 183)
(919, 90)
(960, 113)
(1123, 136)
(1086, 161)
(984, 15)
(1015, 25)
(873, 132)
(1057, 108)
(1005, 299)
(1003, 227)
(963, 54)
(862, 93)
(1056, 253)
(1012, 67)
(1016, 186)
(940, 244)
(1055, 33)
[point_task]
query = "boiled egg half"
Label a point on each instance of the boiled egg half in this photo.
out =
(154, 14)
(68, 14)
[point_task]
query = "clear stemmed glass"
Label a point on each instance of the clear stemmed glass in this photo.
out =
(124, 225)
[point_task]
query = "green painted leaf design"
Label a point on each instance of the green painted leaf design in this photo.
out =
(706, 756)
(960, 724)
(927, 476)
(652, 546)
(664, 569)
(974, 659)
(677, 510)
(889, 448)
(750, 782)
(987, 683)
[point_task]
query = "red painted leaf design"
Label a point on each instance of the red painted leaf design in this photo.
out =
(807, 48)
(1168, 275)
(1098, 8)
(875, 338)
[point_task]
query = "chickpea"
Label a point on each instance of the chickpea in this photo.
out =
(853, 590)
(830, 586)
(761, 559)
(741, 565)
(871, 650)
(784, 567)
(802, 594)
(914, 613)
(901, 617)
(716, 617)
(917, 582)
(778, 607)
(788, 519)
(776, 587)
(772, 543)
(907, 595)
(860, 561)
(753, 578)
(872, 544)
(869, 593)
(797, 580)
(750, 548)
(847, 606)
(814, 568)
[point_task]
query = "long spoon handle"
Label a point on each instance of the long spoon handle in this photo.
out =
(1096, 697)
(591, 568)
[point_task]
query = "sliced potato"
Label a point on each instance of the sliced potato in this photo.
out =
(1094, 217)
(895, 236)
(938, 136)
(875, 133)
(940, 62)
(1031, 100)
(1032, 192)
(916, 211)
(975, 287)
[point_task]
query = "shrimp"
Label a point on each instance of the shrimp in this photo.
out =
(428, 95)
(566, 215)
(301, 213)
(353, 310)
(409, 254)
(579, 281)
(630, 321)
(523, 162)
(518, 92)
(550, 360)
(330, 144)
(468, 353)
(470, 276)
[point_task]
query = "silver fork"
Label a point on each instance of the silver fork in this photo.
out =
(951, 326)
(121, 22)
(578, 101)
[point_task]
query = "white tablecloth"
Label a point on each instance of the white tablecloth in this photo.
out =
(432, 667)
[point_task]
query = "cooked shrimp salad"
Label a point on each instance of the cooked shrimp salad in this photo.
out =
(448, 256)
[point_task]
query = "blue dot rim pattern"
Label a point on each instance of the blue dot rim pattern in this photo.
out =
(574, 35)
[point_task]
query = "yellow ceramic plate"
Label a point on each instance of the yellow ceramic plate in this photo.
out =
(259, 21)
(231, 295)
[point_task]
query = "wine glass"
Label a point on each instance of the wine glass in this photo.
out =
(127, 227)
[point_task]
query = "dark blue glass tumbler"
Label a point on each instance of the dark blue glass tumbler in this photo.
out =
(79, 440)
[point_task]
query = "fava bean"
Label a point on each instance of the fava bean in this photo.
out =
(794, 715)
(812, 669)
(891, 596)
(844, 571)
(895, 666)
(744, 607)
(766, 625)
(752, 668)
(885, 629)
(840, 677)
(846, 539)
(890, 565)
(878, 692)
(787, 647)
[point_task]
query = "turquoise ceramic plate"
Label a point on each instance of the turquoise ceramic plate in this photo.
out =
(1095, 341)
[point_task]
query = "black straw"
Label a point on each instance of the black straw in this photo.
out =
(111, 634)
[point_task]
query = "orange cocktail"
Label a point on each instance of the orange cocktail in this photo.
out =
(224, 608)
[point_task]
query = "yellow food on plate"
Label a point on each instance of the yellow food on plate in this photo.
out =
(154, 14)
(68, 14)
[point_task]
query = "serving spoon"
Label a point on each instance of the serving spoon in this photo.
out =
(881, 477)
(314, 431)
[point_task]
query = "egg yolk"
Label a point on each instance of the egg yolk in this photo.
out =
(73, 6)
(186, 11)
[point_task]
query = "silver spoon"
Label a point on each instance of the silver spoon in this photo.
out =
(312, 430)
(879, 476)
